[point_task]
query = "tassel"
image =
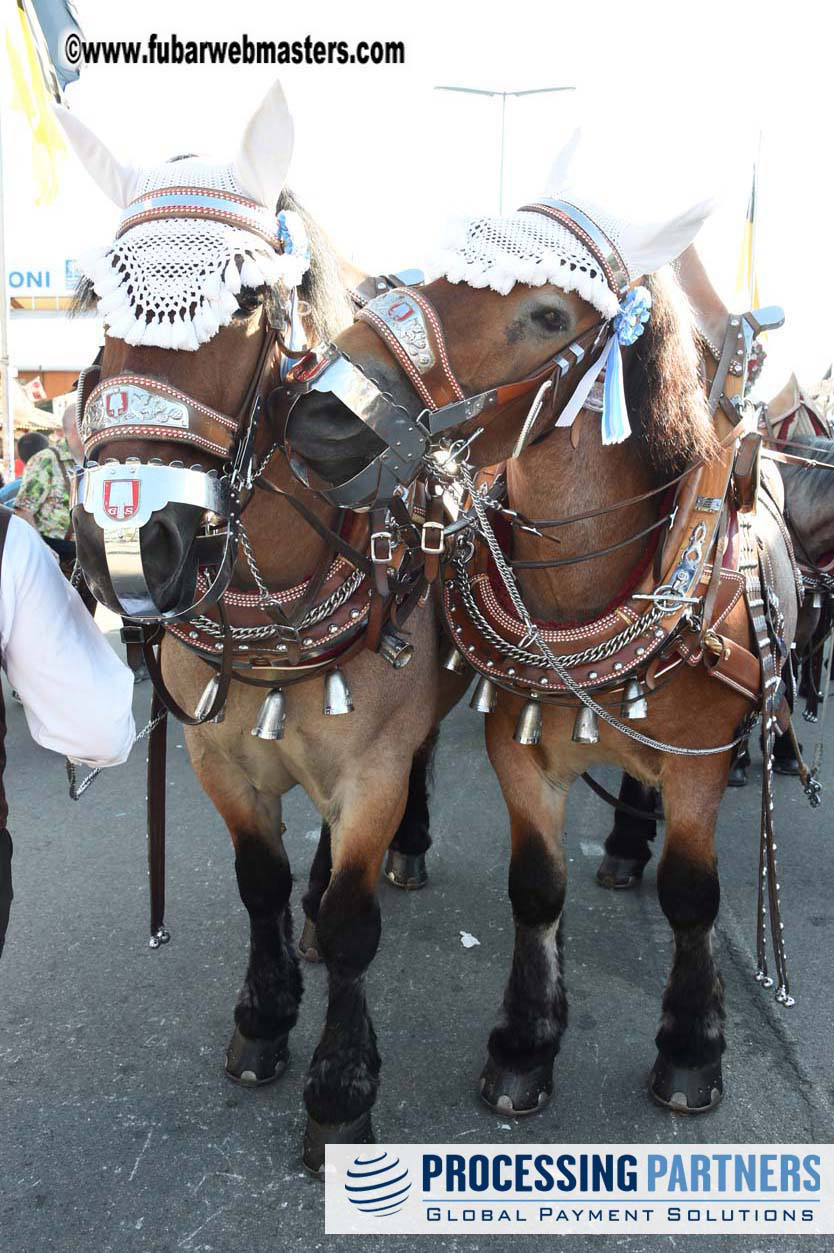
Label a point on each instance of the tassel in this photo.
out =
(231, 276)
(615, 424)
(250, 275)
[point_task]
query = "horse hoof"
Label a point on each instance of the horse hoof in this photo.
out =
(686, 1089)
(317, 1135)
(515, 1093)
(620, 872)
(406, 870)
(307, 946)
(252, 1063)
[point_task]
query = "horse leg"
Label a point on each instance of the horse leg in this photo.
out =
(627, 846)
(687, 1073)
(518, 1075)
(405, 865)
(267, 1006)
(343, 1078)
(311, 901)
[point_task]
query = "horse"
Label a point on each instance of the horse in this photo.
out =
(364, 772)
(810, 521)
(499, 342)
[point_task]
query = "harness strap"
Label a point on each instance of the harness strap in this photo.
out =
(157, 752)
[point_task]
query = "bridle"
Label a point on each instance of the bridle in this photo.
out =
(122, 497)
(411, 332)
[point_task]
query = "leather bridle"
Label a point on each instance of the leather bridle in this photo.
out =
(411, 331)
(122, 497)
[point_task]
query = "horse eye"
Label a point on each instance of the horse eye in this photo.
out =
(551, 320)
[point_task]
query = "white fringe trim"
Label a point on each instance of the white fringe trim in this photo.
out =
(218, 290)
(505, 270)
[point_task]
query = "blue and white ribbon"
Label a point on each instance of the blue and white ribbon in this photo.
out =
(626, 327)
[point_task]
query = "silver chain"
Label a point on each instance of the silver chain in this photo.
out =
(600, 652)
(77, 790)
(533, 636)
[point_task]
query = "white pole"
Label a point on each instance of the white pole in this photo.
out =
(501, 162)
(5, 369)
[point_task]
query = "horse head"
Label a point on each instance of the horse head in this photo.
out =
(522, 316)
(200, 278)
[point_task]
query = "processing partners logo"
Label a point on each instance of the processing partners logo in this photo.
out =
(377, 1183)
(579, 1189)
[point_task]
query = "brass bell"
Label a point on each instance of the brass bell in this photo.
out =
(585, 729)
(272, 716)
(484, 697)
(397, 651)
(635, 705)
(528, 729)
(455, 661)
(337, 697)
(206, 701)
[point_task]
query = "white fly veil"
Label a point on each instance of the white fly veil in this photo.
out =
(579, 239)
(172, 276)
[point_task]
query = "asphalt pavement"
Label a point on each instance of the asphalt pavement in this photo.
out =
(118, 1130)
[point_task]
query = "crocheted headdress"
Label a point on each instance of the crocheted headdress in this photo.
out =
(579, 243)
(193, 233)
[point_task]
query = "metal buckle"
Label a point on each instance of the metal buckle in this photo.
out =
(424, 539)
(386, 558)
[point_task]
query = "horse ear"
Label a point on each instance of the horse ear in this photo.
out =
(264, 155)
(647, 248)
(560, 171)
(118, 182)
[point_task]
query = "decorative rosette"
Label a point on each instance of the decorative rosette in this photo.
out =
(635, 310)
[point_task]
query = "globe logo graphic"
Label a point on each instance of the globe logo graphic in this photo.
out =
(378, 1183)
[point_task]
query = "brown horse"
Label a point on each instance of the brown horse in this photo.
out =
(356, 769)
(494, 339)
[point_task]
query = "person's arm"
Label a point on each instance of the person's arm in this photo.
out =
(76, 693)
(35, 485)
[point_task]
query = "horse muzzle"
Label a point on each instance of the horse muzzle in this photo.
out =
(127, 501)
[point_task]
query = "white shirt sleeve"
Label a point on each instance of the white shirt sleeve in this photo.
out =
(76, 693)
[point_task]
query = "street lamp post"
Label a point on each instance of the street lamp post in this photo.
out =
(481, 91)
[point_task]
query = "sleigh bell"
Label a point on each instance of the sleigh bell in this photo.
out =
(585, 729)
(528, 729)
(396, 651)
(455, 662)
(206, 701)
(337, 697)
(272, 716)
(635, 705)
(484, 696)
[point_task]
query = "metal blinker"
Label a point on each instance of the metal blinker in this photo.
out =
(206, 701)
(484, 697)
(528, 729)
(455, 661)
(397, 651)
(585, 728)
(337, 697)
(635, 705)
(272, 716)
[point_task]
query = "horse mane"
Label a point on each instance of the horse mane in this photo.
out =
(321, 288)
(664, 389)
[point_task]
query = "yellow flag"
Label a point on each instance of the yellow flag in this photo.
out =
(747, 283)
(33, 86)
